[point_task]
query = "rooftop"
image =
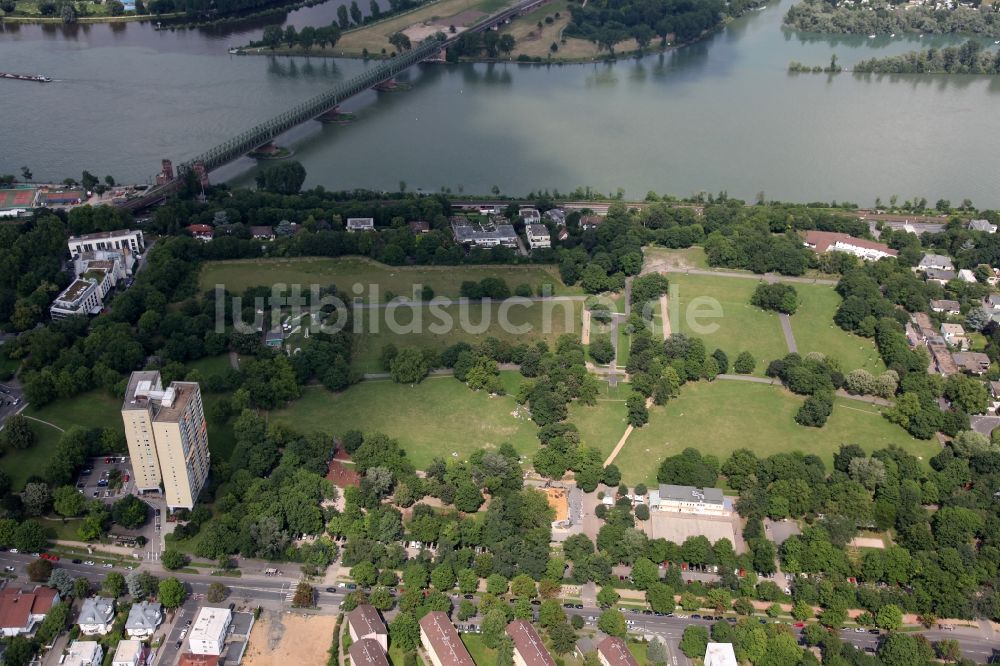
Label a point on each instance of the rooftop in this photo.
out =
(75, 290)
(365, 620)
(720, 654)
(616, 652)
(145, 615)
(128, 650)
(211, 624)
(140, 383)
(17, 605)
(528, 644)
(691, 494)
(102, 235)
(821, 241)
(367, 652)
(447, 645)
(182, 394)
(97, 610)
(537, 229)
(931, 259)
(83, 652)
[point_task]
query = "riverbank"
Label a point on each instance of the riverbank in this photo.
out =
(879, 18)
(29, 19)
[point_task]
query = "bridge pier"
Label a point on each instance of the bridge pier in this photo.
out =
(270, 151)
(387, 85)
(335, 115)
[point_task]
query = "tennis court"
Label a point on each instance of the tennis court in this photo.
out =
(21, 197)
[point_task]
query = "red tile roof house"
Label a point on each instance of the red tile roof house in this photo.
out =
(528, 647)
(202, 231)
(21, 610)
(441, 641)
(365, 622)
(613, 651)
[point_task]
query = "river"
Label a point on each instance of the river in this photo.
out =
(721, 115)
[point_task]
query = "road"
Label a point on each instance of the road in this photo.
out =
(253, 589)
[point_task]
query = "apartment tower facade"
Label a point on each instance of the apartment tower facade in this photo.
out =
(167, 437)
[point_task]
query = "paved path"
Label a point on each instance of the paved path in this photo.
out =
(665, 316)
(786, 328)
(840, 393)
(585, 332)
(769, 277)
(53, 425)
(624, 438)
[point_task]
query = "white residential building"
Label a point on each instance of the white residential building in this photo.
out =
(97, 615)
(687, 499)
(130, 653)
(208, 634)
(982, 225)
(538, 236)
(938, 261)
(143, 619)
(81, 297)
(954, 335)
(720, 654)
(965, 275)
(84, 653)
(123, 239)
(822, 242)
(530, 215)
(360, 224)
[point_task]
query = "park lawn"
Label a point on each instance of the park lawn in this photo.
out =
(21, 464)
(663, 258)
(482, 655)
(601, 425)
(8, 366)
(211, 365)
(94, 409)
(396, 656)
(440, 417)
(719, 417)
(62, 529)
(545, 321)
(742, 327)
(221, 440)
(814, 330)
(238, 275)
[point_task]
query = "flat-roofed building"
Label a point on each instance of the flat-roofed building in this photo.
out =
(441, 641)
(720, 654)
(208, 634)
(613, 651)
(469, 234)
(84, 653)
(167, 437)
(528, 647)
(360, 224)
(81, 298)
(687, 499)
(367, 652)
(130, 653)
(123, 239)
(365, 622)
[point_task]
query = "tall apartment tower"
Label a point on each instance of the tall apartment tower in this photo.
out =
(167, 437)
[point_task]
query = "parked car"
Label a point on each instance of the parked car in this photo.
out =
(76, 561)
(89, 563)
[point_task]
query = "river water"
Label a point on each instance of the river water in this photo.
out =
(721, 115)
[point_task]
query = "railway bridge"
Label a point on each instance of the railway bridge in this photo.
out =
(265, 132)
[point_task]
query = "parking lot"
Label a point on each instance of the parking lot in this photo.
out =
(95, 480)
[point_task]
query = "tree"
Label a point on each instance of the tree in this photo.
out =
(656, 652)
(400, 41)
(17, 433)
(29, 537)
(889, 617)
(660, 597)
(505, 651)
(443, 577)
(745, 363)
(68, 501)
(113, 585)
(776, 296)
(405, 632)
(61, 580)
(612, 622)
(171, 593)
(494, 624)
(496, 584)
(694, 641)
(966, 393)
(638, 413)
(282, 178)
(563, 638)
(409, 366)
(607, 596)
(364, 573)
(601, 349)
(129, 512)
(35, 498)
(216, 593)
(506, 44)
(304, 596)
(39, 570)
(523, 586)
(173, 559)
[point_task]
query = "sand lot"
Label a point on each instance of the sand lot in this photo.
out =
(288, 638)
(677, 527)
